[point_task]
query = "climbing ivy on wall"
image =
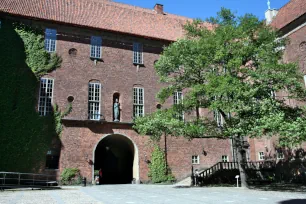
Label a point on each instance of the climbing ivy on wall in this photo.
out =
(58, 116)
(37, 58)
(158, 169)
(25, 137)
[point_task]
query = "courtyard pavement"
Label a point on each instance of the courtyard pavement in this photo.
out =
(150, 194)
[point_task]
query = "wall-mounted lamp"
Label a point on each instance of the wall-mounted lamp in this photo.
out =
(204, 152)
(146, 160)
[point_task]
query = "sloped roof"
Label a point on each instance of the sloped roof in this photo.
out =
(288, 13)
(101, 14)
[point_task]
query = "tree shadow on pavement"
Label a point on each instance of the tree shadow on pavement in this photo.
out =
(280, 187)
(293, 201)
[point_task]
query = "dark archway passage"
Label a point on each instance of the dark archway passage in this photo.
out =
(115, 156)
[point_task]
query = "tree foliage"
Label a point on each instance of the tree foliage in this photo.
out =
(233, 70)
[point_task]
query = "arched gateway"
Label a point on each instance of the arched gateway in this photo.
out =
(117, 156)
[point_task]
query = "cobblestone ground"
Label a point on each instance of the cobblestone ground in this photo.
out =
(150, 194)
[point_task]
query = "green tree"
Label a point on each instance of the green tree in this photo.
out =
(233, 71)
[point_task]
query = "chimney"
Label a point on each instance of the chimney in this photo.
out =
(159, 8)
(270, 14)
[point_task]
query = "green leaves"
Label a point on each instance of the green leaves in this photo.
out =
(234, 69)
(37, 58)
(158, 169)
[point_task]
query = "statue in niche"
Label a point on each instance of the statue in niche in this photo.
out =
(116, 110)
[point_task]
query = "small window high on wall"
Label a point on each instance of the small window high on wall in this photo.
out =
(137, 53)
(50, 40)
(96, 47)
(45, 96)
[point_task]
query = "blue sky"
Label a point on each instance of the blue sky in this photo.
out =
(206, 8)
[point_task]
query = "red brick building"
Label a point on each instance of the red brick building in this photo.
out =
(290, 20)
(108, 51)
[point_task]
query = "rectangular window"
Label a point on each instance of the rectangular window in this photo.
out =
(218, 118)
(96, 47)
(52, 159)
(138, 102)
(94, 101)
(305, 80)
(195, 159)
(137, 53)
(45, 96)
(280, 155)
(178, 99)
(261, 155)
(50, 40)
(225, 158)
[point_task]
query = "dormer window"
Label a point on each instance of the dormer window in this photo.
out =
(96, 47)
(50, 40)
(137, 53)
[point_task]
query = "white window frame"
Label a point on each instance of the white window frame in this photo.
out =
(280, 155)
(50, 40)
(305, 80)
(225, 158)
(137, 53)
(45, 100)
(96, 47)
(261, 156)
(195, 159)
(94, 103)
(218, 118)
(138, 102)
(178, 99)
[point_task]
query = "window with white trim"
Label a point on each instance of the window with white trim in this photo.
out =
(96, 47)
(218, 118)
(50, 40)
(137, 53)
(280, 155)
(45, 96)
(178, 99)
(138, 102)
(225, 158)
(261, 155)
(195, 159)
(94, 92)
(305, 80)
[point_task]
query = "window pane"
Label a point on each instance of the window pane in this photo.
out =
(45, 96)
(138, 100)
(94, 101)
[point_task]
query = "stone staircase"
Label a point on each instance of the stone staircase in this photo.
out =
(221, 170)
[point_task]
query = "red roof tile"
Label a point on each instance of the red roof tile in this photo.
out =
(288, 13)
(101, 14)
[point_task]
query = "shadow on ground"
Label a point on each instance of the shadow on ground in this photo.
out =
(293, 201)
(281, 187)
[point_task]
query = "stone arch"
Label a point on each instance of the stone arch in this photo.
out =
(135, 167)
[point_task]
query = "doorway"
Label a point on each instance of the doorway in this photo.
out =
(115, 155)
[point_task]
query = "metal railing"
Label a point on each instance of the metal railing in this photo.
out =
(235, 166)
(19, 180)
